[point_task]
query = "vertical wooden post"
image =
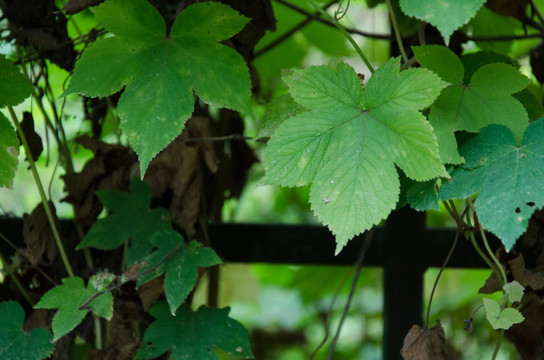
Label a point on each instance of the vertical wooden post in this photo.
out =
(403, 279)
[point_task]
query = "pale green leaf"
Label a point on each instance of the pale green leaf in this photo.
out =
(131, 219)
(347, 148)
(17, 344)
(14, 86)
(67, 298)
(9, 151)
(155, 68)
(180, 265)
(501, 319)
(506, 175)
(193, 335)
(446, 15)
(514, 290)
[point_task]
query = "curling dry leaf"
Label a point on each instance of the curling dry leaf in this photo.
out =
(425, 344)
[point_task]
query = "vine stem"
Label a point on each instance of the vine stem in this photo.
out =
(396, 30)
(358, 266)
(498, 344)
(499, 266)
(45, 203)
(438, 277)
(345, 33)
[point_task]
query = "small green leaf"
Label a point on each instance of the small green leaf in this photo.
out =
(514, 290)
(131, 219)
(507, 177)
(347, 145)
(193, 335)
(14, 86)
(446, 15)
(501, 319)
(18, 344)
(442, 61)
(487, 99)
(155, 67)
(9, 151)
(67, 298)
(423, 196)
(180, 266)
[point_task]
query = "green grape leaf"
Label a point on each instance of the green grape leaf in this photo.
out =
(67, 298)
(180, 265)
(501, 319)
(193, 335)
(9, 152)
(14, 86)
(446, 15)
(514, 290)
(155, 68)
(487, 99)
(507, 177)
(277, 111)
(131, 219)
(348, 144)
(18, 344)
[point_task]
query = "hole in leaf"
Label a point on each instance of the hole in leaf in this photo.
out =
(530, 203)
(518, 210)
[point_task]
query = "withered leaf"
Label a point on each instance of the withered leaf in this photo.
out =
(178, 170)
(111, 168)
(38, 236)
(34, 140)
(532, 278)
(425, 344)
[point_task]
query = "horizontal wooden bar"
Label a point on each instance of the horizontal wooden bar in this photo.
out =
(304, 245)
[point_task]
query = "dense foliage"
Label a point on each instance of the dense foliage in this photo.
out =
(450, 118)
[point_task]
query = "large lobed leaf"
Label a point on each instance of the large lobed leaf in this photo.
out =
(347, 145)
(193, 335)
(180, 265)
(470, 106)
(446, 15)
(131, 219)
(160, 71)
(507, 176)
(67, 298)
(18, 344)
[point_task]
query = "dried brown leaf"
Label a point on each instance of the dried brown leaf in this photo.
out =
(532, 278)
(425, 344)
(150, 292)
(111, 168)
(38, 235)
(33, 139)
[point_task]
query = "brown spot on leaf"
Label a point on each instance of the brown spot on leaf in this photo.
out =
(425, 344)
